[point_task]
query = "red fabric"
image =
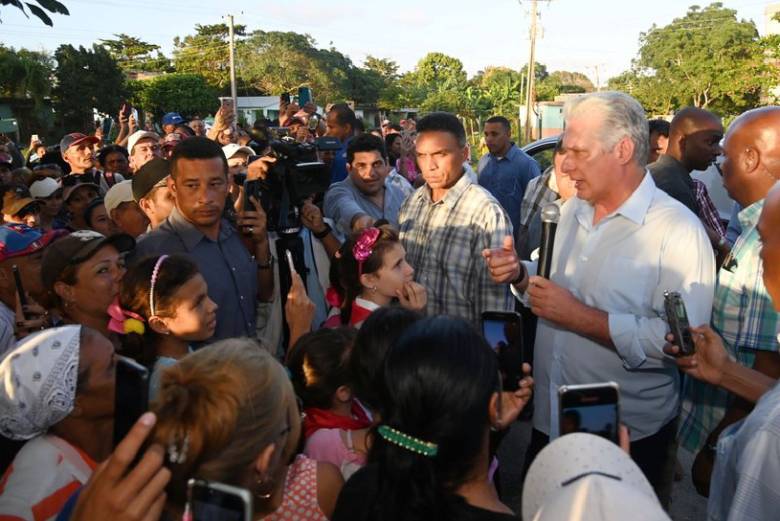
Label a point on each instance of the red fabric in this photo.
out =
(324, 419)
(358, 315)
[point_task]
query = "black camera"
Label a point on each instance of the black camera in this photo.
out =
(296, 175)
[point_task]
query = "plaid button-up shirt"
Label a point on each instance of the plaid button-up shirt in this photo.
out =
(444, 242)
(707, 211)
(744, 317)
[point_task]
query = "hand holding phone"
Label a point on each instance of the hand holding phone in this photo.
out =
(679, 327)
(213, 501)
(591, 408)
(131, 398)
(503, 331)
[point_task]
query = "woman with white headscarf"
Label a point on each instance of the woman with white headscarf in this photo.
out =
(57, 392)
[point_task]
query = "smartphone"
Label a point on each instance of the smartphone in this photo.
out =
(503, 331)
(304, 96)
(131, 398)
(314, 122)
(226, 102)
(127, 109)
(679, 327)
(35, 138)
(591, 408)
(285, 97)
(213, 501)
(251, 188)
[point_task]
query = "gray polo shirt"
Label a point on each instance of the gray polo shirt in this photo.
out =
(229, 269)
(343, 201)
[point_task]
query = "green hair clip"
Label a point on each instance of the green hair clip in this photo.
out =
(408, 442)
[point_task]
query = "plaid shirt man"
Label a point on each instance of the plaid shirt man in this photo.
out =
(744, 317)
(707, 212)
(444, 242)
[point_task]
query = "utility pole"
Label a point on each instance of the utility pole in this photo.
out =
(231, 33)
(529, 83)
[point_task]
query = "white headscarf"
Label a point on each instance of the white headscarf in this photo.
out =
(38, 382)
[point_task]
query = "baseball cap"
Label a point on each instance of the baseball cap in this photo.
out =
(137, 136)
(43, 188)
(18, 240)
(118, 194)
(234, 148)
(69, 190)
(74, 139)
(582, 476)
(172, 118)
(16, 199)
(6, 159)
(76, 248)
(148, 176)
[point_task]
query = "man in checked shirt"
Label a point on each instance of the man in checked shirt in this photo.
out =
(447, 223)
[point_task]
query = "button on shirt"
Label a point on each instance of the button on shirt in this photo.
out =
(444, 242)
(622, 266)
(743, 315)
(344, 201)
(506, 178)
(229, 269)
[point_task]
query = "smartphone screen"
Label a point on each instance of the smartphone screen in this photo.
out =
(131, 398)
(304, 96)
(211, 501)
(503, 332)
(590, 408)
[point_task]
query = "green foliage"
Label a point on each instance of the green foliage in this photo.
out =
(25, 74)
(707, 58)
(438, 82)
(206, 53)
(87, 79)
(132, 53)
(187, 94)
(41, 11)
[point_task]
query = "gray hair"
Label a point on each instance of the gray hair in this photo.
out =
(623, 116)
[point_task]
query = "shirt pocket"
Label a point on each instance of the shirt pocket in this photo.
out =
(624, 285)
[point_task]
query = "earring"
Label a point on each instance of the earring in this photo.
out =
(265, 496)
(373, 290)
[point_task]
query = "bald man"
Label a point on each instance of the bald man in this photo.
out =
(742, 315)
(694, 144)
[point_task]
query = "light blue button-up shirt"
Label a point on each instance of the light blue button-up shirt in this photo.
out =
(622, 266)
(506, 178)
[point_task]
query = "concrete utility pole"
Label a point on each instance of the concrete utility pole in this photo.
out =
(232, 64)
(529, 94)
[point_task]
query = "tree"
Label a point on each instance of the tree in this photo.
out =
(187, 94)
(87, 79)
(207, 53)
(40, 11)
(132, 53)
(436, 83)
(707, 58)
(25, 74)
(501, 92)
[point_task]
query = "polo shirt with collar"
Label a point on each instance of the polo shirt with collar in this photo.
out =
(226, 264)
(344, 201)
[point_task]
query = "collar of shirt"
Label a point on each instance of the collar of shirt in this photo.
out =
(452, 196)
(510, 153)
(189, 234)
(367, 304)
(634, 208)
(667, 161)
(748, 217)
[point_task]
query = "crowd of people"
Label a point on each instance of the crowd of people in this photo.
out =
(323, 351)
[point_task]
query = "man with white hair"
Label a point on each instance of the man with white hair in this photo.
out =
(620, 244)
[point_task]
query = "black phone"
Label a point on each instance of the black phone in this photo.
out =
(127, 109)
(591, 408)
(304, 96)
(679, 327)
(20, 288)
(252, 189)
(285, 97)
(213, 501)
(131, 398)
(503, 331)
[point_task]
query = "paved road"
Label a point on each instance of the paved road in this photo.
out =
(686, 505)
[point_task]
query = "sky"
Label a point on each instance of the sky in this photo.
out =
(596, 37)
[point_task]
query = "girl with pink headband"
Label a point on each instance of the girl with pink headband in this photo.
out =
(163, 306)
(368, 272)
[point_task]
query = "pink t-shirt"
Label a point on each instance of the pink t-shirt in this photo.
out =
(335, 446)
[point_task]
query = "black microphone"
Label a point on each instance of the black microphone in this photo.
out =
(550, 215)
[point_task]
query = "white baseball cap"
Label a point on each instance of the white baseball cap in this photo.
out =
(43, 188)
(137, 136)
(118, 194)
(234, 148)
(582, 476)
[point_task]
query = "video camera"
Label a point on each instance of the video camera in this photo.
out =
(297, 174)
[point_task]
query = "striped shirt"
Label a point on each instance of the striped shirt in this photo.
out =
(744, 317)
(444, 242)
(44, 474)
(708, 213)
